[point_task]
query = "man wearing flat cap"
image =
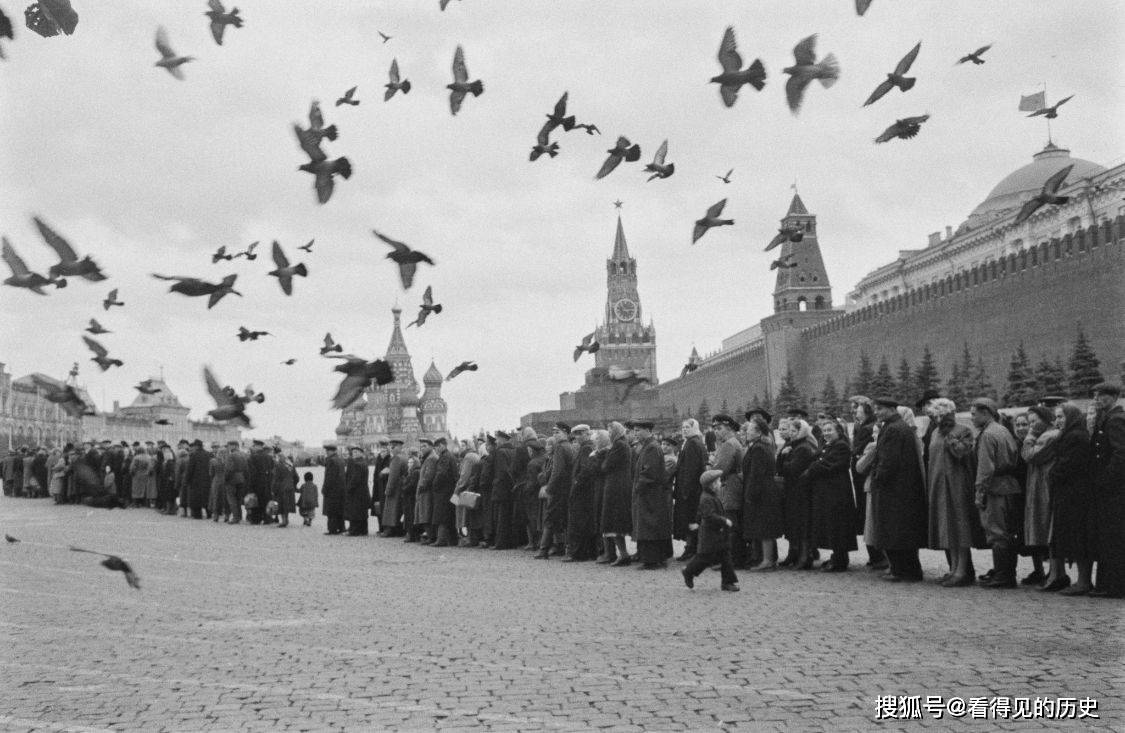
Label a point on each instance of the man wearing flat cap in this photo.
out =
(259, 480)
(197, 479)
(442, 515)
(332, 492)
(898, 494)
(390, 523)
(357, 492)
(1107, 444)
(553, 539)
(728, 459)
(238, 466)
(998, 494)
(424, 498)
(652, 501)
(582, 515)
(502, 501)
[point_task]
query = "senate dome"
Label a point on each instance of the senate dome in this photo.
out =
(1018, 186)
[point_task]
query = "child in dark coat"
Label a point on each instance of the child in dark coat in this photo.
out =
(713, 546)
(308, 502)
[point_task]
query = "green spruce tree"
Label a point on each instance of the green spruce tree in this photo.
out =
(830, 398)
(864, 377)
(883, 385)
(1050, 378)
(978, 383)
(926, 377)
(789, 397)
(906, 391)
(1022, 390)
(955, 387)
(703, 414)
(1084, 371)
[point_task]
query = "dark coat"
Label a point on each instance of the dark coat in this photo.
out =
(833, 506)
(503, 480)
(1073, 529)
(652, 502)
(558, 485)
(392, 492)
(357, 495)
(259, 481)
(333, 488)
(285, 487)
(197, 478)
(441, 488)
(692, 463)
(480, 517)
(763, 511)
(862, 434)
(582, 511)
(379, 481)
(617, 489)
(713, 527)
(797, 498)
(1107, 447)
(898, 493)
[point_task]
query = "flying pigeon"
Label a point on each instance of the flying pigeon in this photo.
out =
(113, 562)
(23, 277)
(461, 84)
(220, 19)
(316, 123)
(358, 376)
(285, 272)
(394, 84)
(63, 395)
(221, 254)
(806, 69)
(249, 395)
(101, 355)
(348, 98)
(194, 287)
(168, 58)
(896, 78)
(558, 117)
(733, 76)
(96, 328)
(726, 178)
(465, 366)
(384, 36)
(1051, 112)
(10, 538)
(289, 362)
(427, 308)
(146, 387)
(443, 3)
(905, 128)
(307, 247)
(543, 144)
(975, 56)
(590, 129)
(588, 345)
(111, 300)
(245, 334)
(50, 17)
(6, 30)
(690, 367)
(162, 421)
(710, 219)
(229, 405)
(657, 167)
(623, 150)
(320, 166)
(69, 264)
(1048, 195)
(861, 6)
(406, 258)
(330, 345)
(630, 378)
(783, 262)
(784, 234)
(248, 253)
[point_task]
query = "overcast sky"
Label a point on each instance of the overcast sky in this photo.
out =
(150, 174)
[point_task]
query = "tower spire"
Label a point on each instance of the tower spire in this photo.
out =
(620, 248)
(398, 343)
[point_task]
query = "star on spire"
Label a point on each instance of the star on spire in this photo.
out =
(618, 204)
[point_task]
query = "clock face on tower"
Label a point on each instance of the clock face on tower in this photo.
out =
(625, 309)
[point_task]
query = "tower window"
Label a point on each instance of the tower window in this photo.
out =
(802, 304)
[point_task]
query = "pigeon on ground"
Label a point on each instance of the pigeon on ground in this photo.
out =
(710, 219)
(96, 328)
(784, 262)
(465, 366)
(194, 287)
(905, 128)
(285, 272)
(1051, 112)
(623, 150)
(221, 254)
(63, 395)
(229, 405)
(162, 421)
(69, 264)
(406, 258)
(726, 178)
(6, 30)
(1048, 195)
(461, 84)
(394, 84)
(330, 345)
(861, 6)
(443, 3)
(806, 69)
(316, 124)
(630, 378)
(657, 167)
(51, 17)
(896, 78)
(10, 538)
(558, 117)
(146, 387)
(733, 75)
(427, 308)
(348, 98)
(786, 234)
(168, 58)
(320, 166)
(307, 247)
(113, 562)
(543, 144)
(359, 374)
(589, 345)
(220, 19)
(111, 300)
(289, 362)
(21, 276)
(101, 354)
(690, 367)
(384, 36)
(245, 334)
(975, 56)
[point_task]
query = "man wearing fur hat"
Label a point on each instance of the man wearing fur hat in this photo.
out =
(998, 492)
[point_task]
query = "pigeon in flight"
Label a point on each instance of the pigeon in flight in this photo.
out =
(465, 366)
(726, 178)
(50, 17)
(406, 258)
(317, 130)
(229, 405)
(320, 166)
(783, 262)
(786, 234)
(113, 562)
(285, 272)
(63, 395)
(558, 117)
(21, 276)
(96, 328)
(248, 253)
(168, 58)
(443, 4)
(221, 254)
(330, 345)
(69, 264)
(861, 6)
(307, 247)
(543, 144)
(395, 84)
(690, 367)
(1051, 112)
(146, 387)
(461, 84)
(589, 345)
(289, 362)
(975, 56)
(348, 98)
(194, 287)
(630, 378)
(657, 167)
(733, 75)
(427, 308)
(220, 19)
(623, 150)
(111, 300)
(245, 334)
(896, 78)
(101, 355)
(6, 30)
(162, 421)
(710, 219)
(249, 395)
(359, 374)
(905, 128)
(806, 69)
(1048, 195)
(384, 36)
(10, 538)
(590, 129)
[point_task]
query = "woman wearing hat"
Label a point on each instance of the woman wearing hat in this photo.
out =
(800, 453)
(833, 507)
(1038, 453)
(1072, 505)
(763, 519)
(617, 507)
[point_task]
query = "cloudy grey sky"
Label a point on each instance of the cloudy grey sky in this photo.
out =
(150, 174)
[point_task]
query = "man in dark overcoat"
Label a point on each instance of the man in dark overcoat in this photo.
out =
(1107, 443)
(259, 481)
(390, 524)
(424, 496)
(692, 462)
(999, 496)
(379, 482)
(558, 492)
(582, 513)
(503, 495)
(652, 506)
(444, 482)
(898, 494)
(197, 479)
(520, 458)
(357, 494)
(332, 492)
(238, 467)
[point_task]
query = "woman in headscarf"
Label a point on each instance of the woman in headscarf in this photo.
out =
(529, 494)
(143, 470)
(1073, 539)
(863, 435)
(599, 447)
(954, 524)
(832, 519)
(468, 479)
(1038, 453)
(800, 452)
(690, 466)
(617, 499)
(763, 519)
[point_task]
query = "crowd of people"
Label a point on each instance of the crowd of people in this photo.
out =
(1047, 484)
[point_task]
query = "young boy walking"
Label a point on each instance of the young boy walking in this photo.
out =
(713, 545)
(308, 502)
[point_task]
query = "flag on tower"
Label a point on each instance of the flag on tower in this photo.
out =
(1033, 102)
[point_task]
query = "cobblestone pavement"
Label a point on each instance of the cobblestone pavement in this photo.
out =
(260, 628)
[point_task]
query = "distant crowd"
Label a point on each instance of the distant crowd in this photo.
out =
(1048, 484)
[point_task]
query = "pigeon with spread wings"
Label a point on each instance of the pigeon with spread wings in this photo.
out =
(113, 562)
(783, 262)
(558, 116)
(320, 166)
(1048, 195)
(348, 98)
(220, 19)
(229, 405)
(658, 168)
(1053, 111)
(461, 84)
(248, 253)
(733, 75)
(63, 395)
(395, 83)
(896, 78)
(805, 69)
(50, 17)
(147, 387)
(786, 234)
(221, 254)
(21, 276)
(623, 150)
(975, 56)
(905, 128)
(96, 329)
(543, 144)
(317, 130)
(589, 345)
(359, 374)
(285, 272)
(169, 59)
(330, 345)
(465, 366)
(245, 334)
(726, 178)
(101, 355)
(111, 300)
(426, 308)
(406, 258)
(710, 219)
(193, 287)
(68, 264)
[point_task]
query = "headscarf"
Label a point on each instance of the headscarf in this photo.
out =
(617, 430)
(692, 428)
(601, 440)
(907, 416)
(1046, 417)
(1072, 416)
(804, 431)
